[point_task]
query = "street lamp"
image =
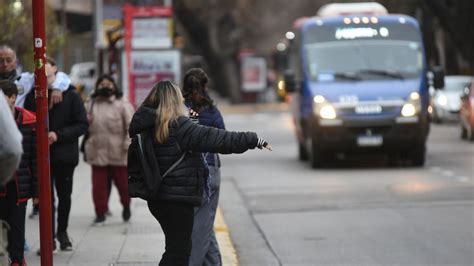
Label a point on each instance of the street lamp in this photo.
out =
(290, 35)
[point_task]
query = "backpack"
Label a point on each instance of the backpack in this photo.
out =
(144, 177)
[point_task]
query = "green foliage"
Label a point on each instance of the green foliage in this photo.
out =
(17, 31)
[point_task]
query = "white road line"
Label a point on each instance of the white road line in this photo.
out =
(448, 173)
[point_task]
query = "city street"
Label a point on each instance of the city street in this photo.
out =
(279, 211)
(357, 212)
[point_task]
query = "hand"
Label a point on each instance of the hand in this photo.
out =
(35, 200)
(193, 115)
(56, 97)
(261, 143)
(52, 137)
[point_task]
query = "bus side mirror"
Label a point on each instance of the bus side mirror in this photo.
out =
(290, 81)
(438, 77)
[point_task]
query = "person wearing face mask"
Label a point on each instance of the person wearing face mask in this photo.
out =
(67, 122)
(106, 147)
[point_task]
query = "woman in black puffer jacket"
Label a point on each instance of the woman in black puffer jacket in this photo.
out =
(163, 113)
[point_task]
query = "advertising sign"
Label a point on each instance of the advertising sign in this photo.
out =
(253, 74)
(152, 33)
(148, 48)
(149, 67)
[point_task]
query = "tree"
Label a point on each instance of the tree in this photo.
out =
(17, 30)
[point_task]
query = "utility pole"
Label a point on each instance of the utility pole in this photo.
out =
(64, 52)
(41, 94)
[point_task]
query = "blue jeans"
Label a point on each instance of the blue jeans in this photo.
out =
(205, 249)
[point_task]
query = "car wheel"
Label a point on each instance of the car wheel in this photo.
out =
(470, 135)
(463, 132)
(418, 155)
(302, 152)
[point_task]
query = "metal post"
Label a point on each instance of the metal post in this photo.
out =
(41, 93)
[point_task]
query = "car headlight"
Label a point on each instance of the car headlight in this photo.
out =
(442, 100)
(323, 108)
(413, 105)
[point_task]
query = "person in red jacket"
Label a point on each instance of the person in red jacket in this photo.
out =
(24, 185)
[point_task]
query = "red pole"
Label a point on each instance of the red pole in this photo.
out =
(41, 93)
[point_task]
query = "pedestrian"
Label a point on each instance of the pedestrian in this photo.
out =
(205, 249)
(25, 81)
(163, 114)
(67, 122)
(10, 142)
(106, 147)
(24, 185)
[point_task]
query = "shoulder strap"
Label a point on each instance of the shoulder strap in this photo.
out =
(174, 165)
(139, 136)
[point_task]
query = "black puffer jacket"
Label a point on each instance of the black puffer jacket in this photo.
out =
(25, 177)
(69, 120)
(186, 182)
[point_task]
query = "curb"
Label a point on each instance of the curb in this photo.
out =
(226, 247)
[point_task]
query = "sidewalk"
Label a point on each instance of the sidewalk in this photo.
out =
(139, 242)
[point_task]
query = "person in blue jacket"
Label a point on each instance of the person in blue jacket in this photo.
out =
(205, 249)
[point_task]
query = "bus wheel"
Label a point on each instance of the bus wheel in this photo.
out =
(418, 155)
(317, 159)
(302, 152)
(463, 132)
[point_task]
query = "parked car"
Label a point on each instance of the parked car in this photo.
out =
(446, 102)
(467, 113)
(83, 77)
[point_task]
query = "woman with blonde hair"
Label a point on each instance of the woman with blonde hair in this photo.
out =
(163, 113)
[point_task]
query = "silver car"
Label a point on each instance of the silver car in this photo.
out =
(446, 102)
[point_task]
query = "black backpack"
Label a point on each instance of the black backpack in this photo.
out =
(144, 177)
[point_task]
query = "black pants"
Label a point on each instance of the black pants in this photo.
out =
(14, 215)
(61, 176)
(176, 220)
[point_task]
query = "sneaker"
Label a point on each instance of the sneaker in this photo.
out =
(64, 242)
(99, 220)
(55, 249)
(108, 214)
(126, 214)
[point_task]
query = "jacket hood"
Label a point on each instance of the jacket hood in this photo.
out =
(143, 119)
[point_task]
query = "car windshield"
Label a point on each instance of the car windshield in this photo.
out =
(364, 59)
(456, 85)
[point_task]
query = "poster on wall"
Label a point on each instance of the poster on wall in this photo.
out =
(150, 67)
(253, 74)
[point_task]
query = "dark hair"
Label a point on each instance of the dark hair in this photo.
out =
(8, 87)
(118, 93)
(194, 89)
(52, 62)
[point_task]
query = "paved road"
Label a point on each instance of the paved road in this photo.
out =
(355, 212)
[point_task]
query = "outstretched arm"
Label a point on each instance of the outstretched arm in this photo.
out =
(199, 138)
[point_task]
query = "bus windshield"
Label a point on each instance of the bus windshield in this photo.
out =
(362, 53)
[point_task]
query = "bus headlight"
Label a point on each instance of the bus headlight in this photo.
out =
(327, 112)
(323, 108)
(408, 109)
(413, 106)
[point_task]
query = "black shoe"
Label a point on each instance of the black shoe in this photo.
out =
(64, 241)
(99, 220)
(34, 214)
(126, 214)
(55, 249)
